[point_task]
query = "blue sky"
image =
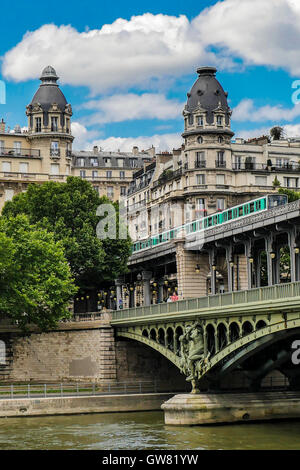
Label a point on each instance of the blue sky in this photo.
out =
(127, 81)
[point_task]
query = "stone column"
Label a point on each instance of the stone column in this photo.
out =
(160, 297)
(248, 253)
(212, 264)
(293, 255)
(190, 283)
(146, 276)
(230, 272)
(258, 269)
(119, 283)
(270, 261)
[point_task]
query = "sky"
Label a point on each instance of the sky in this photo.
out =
(126, 67)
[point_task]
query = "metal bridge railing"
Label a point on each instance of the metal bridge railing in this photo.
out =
(278, 291)
(48, 390)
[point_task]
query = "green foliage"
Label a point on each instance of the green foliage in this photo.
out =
(276, 132)
(36, 284)
(69, 211)
(292, 195)
(276, 182)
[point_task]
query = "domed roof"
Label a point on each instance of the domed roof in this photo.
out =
(207, 93)
(49, 91)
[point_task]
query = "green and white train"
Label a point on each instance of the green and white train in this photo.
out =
(219, 218)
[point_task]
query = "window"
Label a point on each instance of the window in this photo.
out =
(108, 174)
(200, 120)
(94, 161)
(68, 125)
(133, 162)
(107, 161)
(67, 169)
(220, 139)
(220, 163)
(110, 191)
(122, 174)
(200, 203)
(121, 162)
(38, 124)
(54, 151)
(200, 179)
(200, 160)
(6, 166)
(23, 167)
(123, 190)
(220, 204)
(17, 148)
(291, 182)
(191, 119)
(96, 188)
(54, 124)
(219, 120)
(261, 180)
(220, 179)
(82, 173)
(237, 162)
(8, 194)
(1, 147)
(54, 169)
(80, 162)
(95, 174)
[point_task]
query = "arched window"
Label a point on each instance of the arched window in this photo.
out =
(2, 353)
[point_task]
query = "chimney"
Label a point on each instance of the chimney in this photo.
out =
(95, 149)
(2, 127)
(135, 150)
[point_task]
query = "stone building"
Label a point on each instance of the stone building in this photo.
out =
(211, 172)
(44, 152)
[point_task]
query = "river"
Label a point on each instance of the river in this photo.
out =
(137, 431)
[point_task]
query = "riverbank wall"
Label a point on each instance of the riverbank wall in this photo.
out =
(82, 404)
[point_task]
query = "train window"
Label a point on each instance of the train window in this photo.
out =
(240, 211)
(277, 200)
(229, 214)
(251, 207)
(171, 234)
(209, 221)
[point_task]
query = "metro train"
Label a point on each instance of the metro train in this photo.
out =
(246, 209)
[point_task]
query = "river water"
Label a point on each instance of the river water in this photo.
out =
(137, 431)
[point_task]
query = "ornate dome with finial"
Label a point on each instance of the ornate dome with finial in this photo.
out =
(49, 91)
(207, 93)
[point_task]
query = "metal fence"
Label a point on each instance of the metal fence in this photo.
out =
(279, 291)
(48, 390)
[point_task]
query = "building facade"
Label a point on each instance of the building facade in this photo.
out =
(211, 172)
(43, 152)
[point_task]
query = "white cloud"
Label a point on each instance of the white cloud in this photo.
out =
(154, 47)
(246, 111)
(122, 54)
(85, 140)
(261, 32)
(250, 133)
(130, 106)
(82, 136)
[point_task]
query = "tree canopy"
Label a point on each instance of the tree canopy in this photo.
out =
(69, 211)
(36, 284)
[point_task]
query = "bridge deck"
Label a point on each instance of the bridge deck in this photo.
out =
(281, 297)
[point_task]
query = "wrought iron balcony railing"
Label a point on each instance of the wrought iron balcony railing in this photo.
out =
(13, 152)
(54, 152)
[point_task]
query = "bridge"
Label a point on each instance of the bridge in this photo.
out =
(207, 338)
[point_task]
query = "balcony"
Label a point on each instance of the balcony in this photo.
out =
(54, 152)
(220, 164)
(251, 166)
(13, 152)
(200, 164)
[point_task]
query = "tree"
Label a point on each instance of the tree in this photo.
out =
(36, 284)
(69, 211)
(276, 183)
(276, 132)
(292, 195)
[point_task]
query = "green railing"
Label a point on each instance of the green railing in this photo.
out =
(279, 291)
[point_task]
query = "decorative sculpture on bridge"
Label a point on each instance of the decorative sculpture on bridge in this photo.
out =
(193, 359)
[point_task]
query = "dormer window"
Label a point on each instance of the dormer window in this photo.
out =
(38, 124)
(54, 124)
(220, 139)
(191, 119)
(200, 120)
(219, 120)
